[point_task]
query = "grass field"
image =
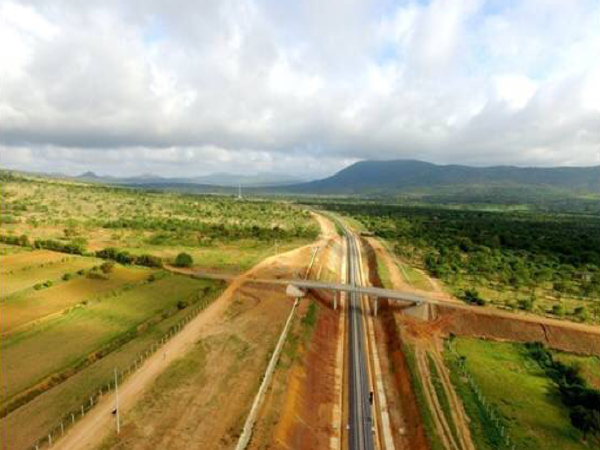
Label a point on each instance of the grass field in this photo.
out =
(517, 389)
(228, 257)
(6, 249)
(35, 418)
(589, 366)
(34, 305)
(17, 261)
(30, 356)
(15, 281)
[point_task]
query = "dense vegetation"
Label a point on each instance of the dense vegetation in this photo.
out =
(533, 257)
(141, 227)
(583, 401)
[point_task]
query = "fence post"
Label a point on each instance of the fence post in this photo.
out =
(50, 439)
(62, 429)
(72, 418)
(82, 411)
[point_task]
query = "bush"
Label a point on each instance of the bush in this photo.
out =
(526, 304)
(182, 304)
(149, 261)
(67, 277)
(472, 297)
(107, 267)
(184, 260)
(558, 310)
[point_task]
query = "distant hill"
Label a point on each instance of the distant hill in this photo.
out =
(216, 179)
(411, 176)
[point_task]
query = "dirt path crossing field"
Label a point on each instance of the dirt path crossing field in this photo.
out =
(99, 422)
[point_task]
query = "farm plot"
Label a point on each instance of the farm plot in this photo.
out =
(19, 261)
(17, 312)
(16, 280)
(6, 249)
(24, 426)
(29, 357)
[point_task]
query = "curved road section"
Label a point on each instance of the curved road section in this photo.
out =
(360, 417)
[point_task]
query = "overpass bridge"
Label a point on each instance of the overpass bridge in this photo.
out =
(373, 292)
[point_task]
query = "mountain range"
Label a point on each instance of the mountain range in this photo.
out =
(411, 176)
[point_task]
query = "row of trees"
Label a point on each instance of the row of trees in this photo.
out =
(125, 257)
(220, 231)
(47, 244)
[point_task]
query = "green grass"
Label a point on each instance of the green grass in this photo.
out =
(22, 280)
(67, 341)
(233, 257)
(589, 366)
(440, 392)
(519, 390)
(298, 336)
(45, 411)
(384, 273)
(6, 249)
(430, 430)
(32, 305)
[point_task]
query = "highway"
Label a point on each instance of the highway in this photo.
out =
(360, 414)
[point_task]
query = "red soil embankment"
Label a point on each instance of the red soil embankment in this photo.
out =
(306, 418)
(482, 324)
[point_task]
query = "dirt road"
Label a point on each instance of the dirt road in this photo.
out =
(100, 422)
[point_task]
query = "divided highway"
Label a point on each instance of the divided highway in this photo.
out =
(360, 414)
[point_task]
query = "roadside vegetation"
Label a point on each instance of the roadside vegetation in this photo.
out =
(519, 384)
(539, 262)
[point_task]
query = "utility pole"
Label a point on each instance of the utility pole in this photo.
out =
(117, 401)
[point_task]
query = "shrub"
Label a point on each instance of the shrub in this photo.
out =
(182, 304)
(107, 267)
(184, 260)
(149, 261)
(67, 276)
(472, 297)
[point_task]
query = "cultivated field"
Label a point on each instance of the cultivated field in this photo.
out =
(85, 285)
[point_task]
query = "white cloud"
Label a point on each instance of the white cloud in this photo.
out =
(192, 87)
(515, 90)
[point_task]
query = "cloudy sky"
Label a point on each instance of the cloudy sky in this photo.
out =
(181, 87)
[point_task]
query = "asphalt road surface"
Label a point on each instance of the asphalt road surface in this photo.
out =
(360, 417)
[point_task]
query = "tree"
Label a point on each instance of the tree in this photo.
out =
(107, 267)
(586, 420)
(184, 260)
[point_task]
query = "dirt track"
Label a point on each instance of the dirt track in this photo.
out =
(298, 409)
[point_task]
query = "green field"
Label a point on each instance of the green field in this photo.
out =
(26, 278)
(519, 391)
(37, 304)
(55, 345)
(46, 410)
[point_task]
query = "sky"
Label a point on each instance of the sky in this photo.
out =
(184, 88)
